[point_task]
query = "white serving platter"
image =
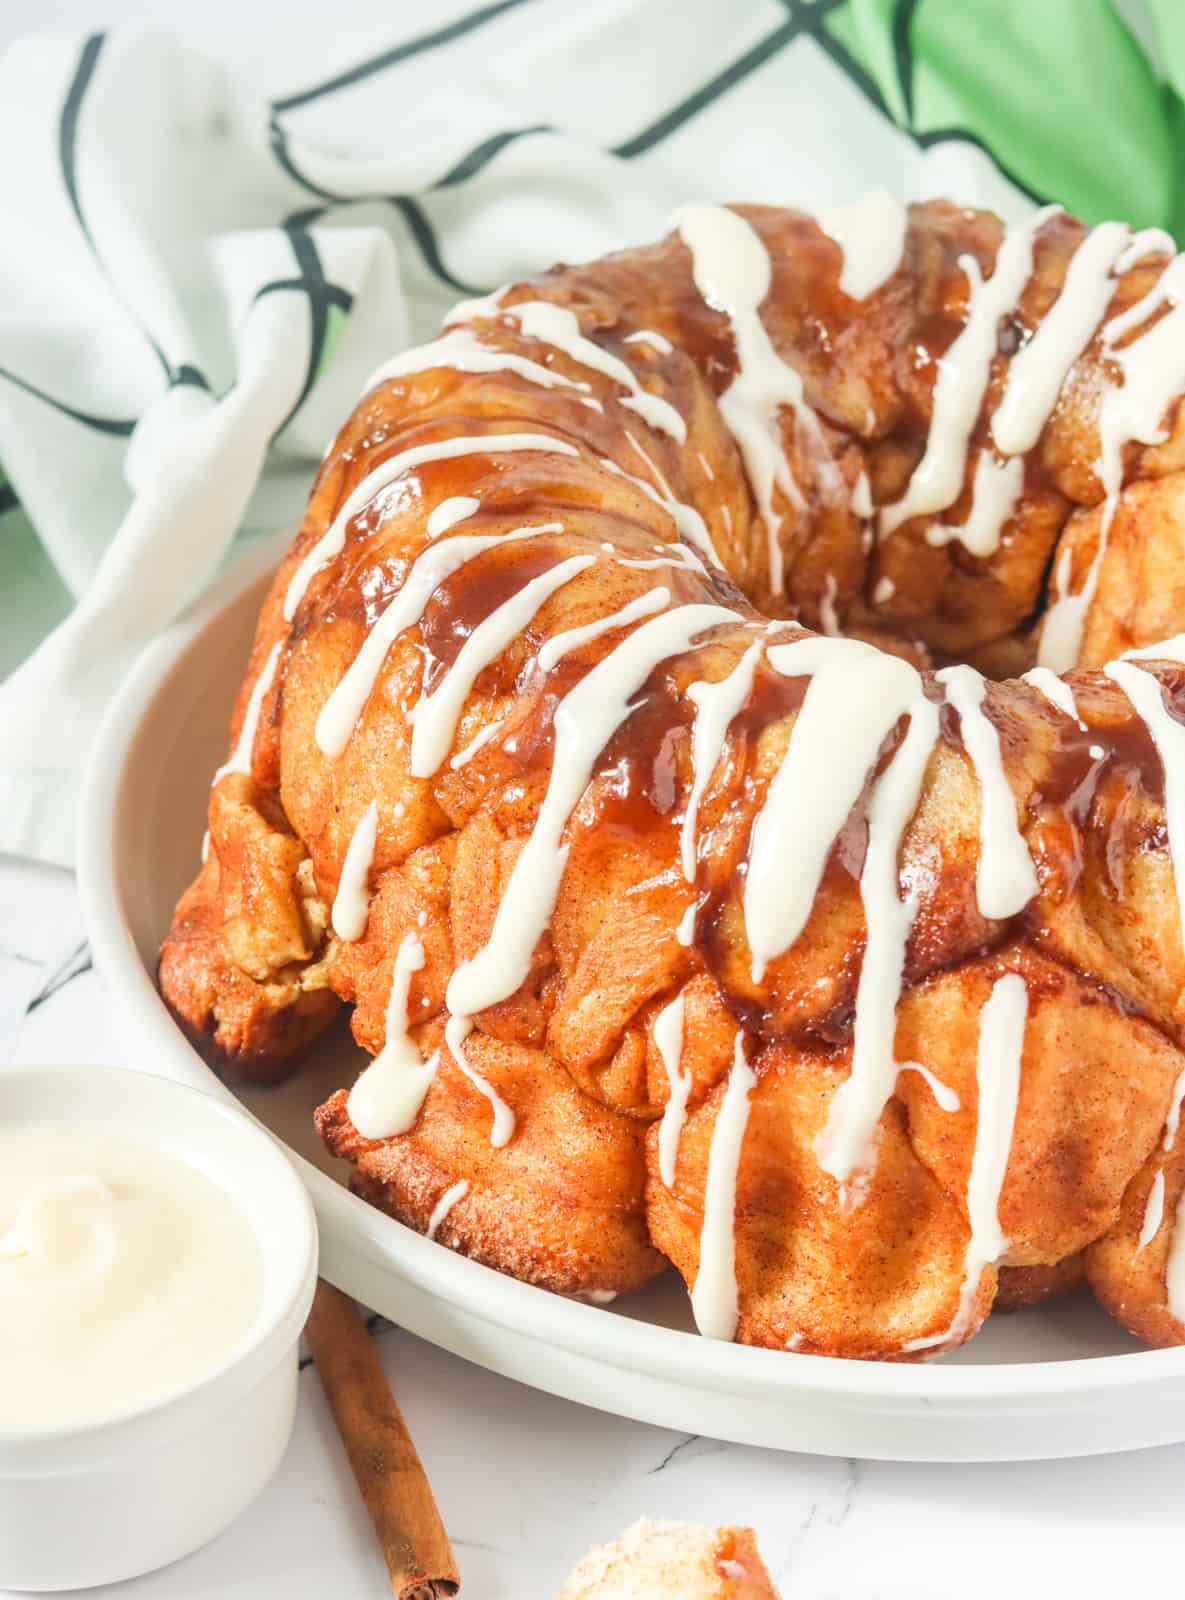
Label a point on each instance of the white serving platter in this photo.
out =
(1054, 1381)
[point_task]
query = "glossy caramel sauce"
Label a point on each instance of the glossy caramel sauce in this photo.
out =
(640, 777)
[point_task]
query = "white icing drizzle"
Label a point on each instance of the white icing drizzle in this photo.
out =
(445, 1204)
(801, 819)
(562, 644)
(996, 487)
(1154, 1207)
(871, 234)
(707, 467)
(1173, 1121)
(884, 591)
(716, 704)
(1146, 242)
(456, 1031)
(480, 739)
(848, 1142)
(1056, 690)
(592, 403)
(861, 497)
(351, 904)
(1153, 375)
(681, 556)
(687, 519)
(963, 373)
(1006, 879)
(1174, 1272)
(1153, 371)
(828, 616)
(1065, 620)
(1138, 313)
(732, 272)
(1153, 1212)
(997, 1078)
(387, 1097)
(714, 1297)
(560, 327)
(463, 352)
(648, 336)
(435, 716)
(685, 932)
(431, 567)
(1037, 372)
(479, 306)
(945, 1097)
(864, 691)
(1162, 650)
(449, 512)
(240, 757)
(585, 720)
(331, 543)
(1168, 735)
(659, 478)
(668, 1037)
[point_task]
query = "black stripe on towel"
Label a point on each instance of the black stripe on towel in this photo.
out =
(317, 290)
(68, 126)
(121, 427)
(397, 53)
(411, 211)
(482, 154)
(799, 21)
(424, 234)
(903, 13)
(869, 88)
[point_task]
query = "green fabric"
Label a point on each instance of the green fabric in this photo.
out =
(864, 28)
(1168, 17)
(335, 322)
(35, 598)
(1060, 92)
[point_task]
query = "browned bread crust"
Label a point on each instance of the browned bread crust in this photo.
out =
(577, 1200)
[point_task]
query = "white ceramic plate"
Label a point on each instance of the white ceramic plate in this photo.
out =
(1059, 1380)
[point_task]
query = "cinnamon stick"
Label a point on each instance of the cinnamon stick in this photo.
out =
(387, 1469)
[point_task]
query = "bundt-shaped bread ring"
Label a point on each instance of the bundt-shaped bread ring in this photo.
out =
(842, 968)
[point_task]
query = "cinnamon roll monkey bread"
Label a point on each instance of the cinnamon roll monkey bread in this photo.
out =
(711, 729)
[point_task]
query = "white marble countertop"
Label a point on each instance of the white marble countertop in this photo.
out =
(526, 1482)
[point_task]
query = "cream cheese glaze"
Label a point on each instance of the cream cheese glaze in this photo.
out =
(732, 271)
(871, 234)
(125, 1275)
(714, 1295)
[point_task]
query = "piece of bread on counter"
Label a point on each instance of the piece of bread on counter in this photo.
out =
(673, 1561)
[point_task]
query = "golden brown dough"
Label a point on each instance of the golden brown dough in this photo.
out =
(1018, 1287)
(560, 1206)
(583, 430)
(1128, 1270)
(814, 1274)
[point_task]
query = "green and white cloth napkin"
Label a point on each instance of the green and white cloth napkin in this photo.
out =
(207, 245)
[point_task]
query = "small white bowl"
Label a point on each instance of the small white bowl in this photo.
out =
(125, 1495)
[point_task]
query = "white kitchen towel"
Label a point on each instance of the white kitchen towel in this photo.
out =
(207, 244)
